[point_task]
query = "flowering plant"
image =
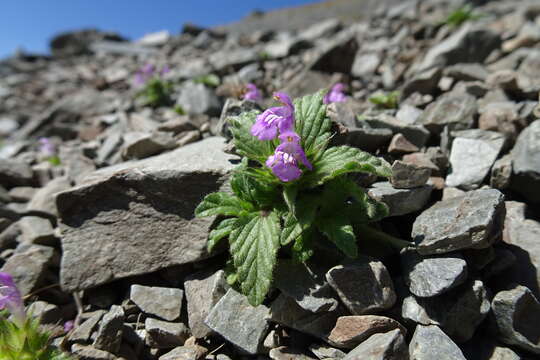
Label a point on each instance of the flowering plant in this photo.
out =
(290, 189)
(48, 151)
(155, 89)
(21, 337)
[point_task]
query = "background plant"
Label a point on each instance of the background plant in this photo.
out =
(155, 90)
(263, 214)
(461, 15)
(385, 100)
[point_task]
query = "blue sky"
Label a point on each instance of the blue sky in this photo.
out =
(31, 23)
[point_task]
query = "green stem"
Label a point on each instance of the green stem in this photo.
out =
(372, 234)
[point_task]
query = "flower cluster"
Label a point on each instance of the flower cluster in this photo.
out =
(287, 157)
(335, 94)
(10, 298)
(147, 72)
(252, 93)
(48, 151)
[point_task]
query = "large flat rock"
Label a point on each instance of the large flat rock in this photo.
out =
(137, 217)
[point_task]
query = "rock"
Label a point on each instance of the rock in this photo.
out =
(526, 164)
(325, 352)
(89, 353)
(364, 286)
(78, 42)
(502, 117)
(350, 331)
(527, 37)
(407, 176)
(233, 108)
(387, 346)
(415, 133)
(434, 275)
(44, 198)
(516, 314)
(309, 291)
(221, 60)
(400, 145)
(424, 82)
(467, 72)
(142, 145)
(501, 173)
(422, 160)
(470, 44)
(400, 201)
(28, 267)
(37, 230)
(109, 334)
(83, 332)
(238, 322)
(164, 334)
(336, 54)
(196, 98)
(473, 220)
(284, 45)
(452, 110)
(287, 353)
(15, 173)
(155, 39)
(21, 194)
(320, 29)
(102, 234)
(365, 64)
(203, 291)
(45, 312)
(162, 302)
(430, 342)
(472, 156)
(186, 353)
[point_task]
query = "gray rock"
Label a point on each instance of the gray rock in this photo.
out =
(472, 156)
(408, 114)
(47, 313)
(401, 201)
(164, 334)
(288, 353)
(473, 220)
(221, 60)
(430, 342)
(415, 133)
(470, 44)
(311, 292)
(326, 352)
(233, 107)
(37, 230)
(434, 275)
(350, 331)
(407, 175)
(400, 145)
(387, 346)
(28, 267)
(526, 165)
(89, 353)
(186, 353)
(15, 173)
(364, 286)
(502, 353)
(162, 302)
(139, 145)
(83, 332)
(109, 334)
(501, 173)
(365, 64)
(424, 82)
(516, 314)
(44, 198)
(101, 235)
(238, 322)
(203, 291)
(320, 29)
(196, 98)
(452, 110)
(467, 72)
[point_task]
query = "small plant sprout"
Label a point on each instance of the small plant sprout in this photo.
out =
(21, 337)
(48, 152)
(335, 94)
(211, 80)
(252, 93)
(461, 15)
(291, 194)
(155, 90)
(385, 100)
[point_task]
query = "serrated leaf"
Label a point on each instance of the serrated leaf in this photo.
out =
(220, 203)
(254, 189)
(253, 247)
(297, 223)
(246, 144)
(302, 249)
(340, 160)
(341, 233)
(289, 195)
(223, 230)
(311, 123)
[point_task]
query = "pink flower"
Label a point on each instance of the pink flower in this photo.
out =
(10, 298)
(287, 157)
(275, 118)
(69, 325)
(46, 147)
(335, 94)
(252, 93)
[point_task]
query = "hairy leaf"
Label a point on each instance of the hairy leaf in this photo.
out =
(253, 246)
(311, 122)
(223, 230)
(220, 203)
(340, 160)
(246, 144)
(341, 233)
(295, 224)
(254, 189)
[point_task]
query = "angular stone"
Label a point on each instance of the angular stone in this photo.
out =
(196, 98)
(311, 292)
(424, 82)
(400, 145)
(203, 291)
(221, 60)
(502, 117)
(421, 159)
(164, 334)
(452, 110)
(350, 331)
(47, 313)
(233, 108)
(407, 175)
(90, 353)
(238, 322)
(401, 201)
(185, 353)
(386, 346)
(434, 275)
(37, 230)
(109, 334)
(29, 267)
(415, 133)
(517, 314)
(364, 286)
(287, 353)
(101, 235)
(325, 352)
(15, 173)
(83, 332)
(162, 302)
(526, 165)
(501, 173)
(473, 220)
(467, 72)
(44, 198)
(430, 342)
(139, 145)
(472, 156)
(365, 64)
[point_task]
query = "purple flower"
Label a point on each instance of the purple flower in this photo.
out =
(144, 74)
(69, 325)
(252, 93)
(46, 147)
(10, 298)
(275, 118)
(165, 70)
(335, 94)
(287, 157)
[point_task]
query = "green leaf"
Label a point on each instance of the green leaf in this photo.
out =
(254, 189)
(311, 123)
(246, 144)
(220, 203)
(344, 159)
(224, 228)
(253, 247)
(341, 233)
(289, 195)
(302, 249)
(298, 223)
